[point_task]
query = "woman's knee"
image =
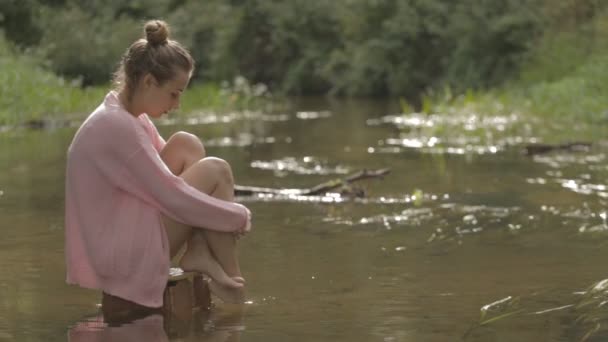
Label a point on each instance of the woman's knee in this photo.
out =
(209, 174)
(181, 151)
(188, 143)
(220, 168)
(213, 169)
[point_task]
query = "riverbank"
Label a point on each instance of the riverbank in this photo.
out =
(565, 78)
(30, 94)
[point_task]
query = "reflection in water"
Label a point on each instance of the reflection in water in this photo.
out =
(95, 329)
(217, 325)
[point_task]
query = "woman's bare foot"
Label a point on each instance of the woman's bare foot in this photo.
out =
(227, 294)
(239, 279)
(198, 258)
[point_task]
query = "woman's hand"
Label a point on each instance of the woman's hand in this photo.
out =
(248, 224)
(247, 227)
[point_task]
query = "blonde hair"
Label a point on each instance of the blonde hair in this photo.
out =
(155, 54)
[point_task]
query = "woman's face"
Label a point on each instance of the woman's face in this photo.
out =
(161, 99)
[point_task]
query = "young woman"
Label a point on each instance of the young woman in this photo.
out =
(133, 200)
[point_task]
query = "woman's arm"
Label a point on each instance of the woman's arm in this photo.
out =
(147, 177)
(133, 165)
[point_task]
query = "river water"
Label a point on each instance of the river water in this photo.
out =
(467, 238)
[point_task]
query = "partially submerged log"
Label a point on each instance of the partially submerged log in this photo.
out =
(576, 146)
(320, 189)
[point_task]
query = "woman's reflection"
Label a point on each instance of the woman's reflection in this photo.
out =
(221, 324)
(149, 328)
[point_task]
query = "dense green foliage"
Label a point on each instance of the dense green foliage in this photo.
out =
(530, 55)
(357, 47)
(565, 76)
(29, 92)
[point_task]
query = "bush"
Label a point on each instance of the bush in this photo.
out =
(93, 47)
(358, 47)
(30, 92)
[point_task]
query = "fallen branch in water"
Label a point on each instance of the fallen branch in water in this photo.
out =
(577, 146)
(241, 190)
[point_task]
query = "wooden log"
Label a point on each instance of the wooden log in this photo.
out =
(185, 292)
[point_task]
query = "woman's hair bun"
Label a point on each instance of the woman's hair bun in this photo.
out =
(157, 32)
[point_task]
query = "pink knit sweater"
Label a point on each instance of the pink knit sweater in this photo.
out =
(117, 186)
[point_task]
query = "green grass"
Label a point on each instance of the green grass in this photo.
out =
(29, 92)
(564, 78)
(579, 95)
(236, 95)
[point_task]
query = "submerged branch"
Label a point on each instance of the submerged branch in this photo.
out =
(241, 190)
(536, 149)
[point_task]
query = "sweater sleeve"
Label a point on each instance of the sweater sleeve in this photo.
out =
(157, 139)
(141, 172)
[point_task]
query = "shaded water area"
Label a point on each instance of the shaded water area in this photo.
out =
(466, 239)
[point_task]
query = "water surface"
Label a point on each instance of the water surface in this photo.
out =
(464, 224)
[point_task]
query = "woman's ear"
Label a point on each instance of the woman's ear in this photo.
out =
(148, 81)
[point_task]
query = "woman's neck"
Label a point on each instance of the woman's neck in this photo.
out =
(127, 103)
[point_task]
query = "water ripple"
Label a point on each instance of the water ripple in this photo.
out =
(563, 160)
(581, 174)
(469, 121)
(459, 134)
(313, 115)
(305, 166)
(435, 145)
(207, 118)
(244, 139)
(458, 218)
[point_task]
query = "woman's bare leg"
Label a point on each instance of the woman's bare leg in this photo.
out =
(183, 155)
(222, 245)
(214, 177)
(197, 256)
(181, 151)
